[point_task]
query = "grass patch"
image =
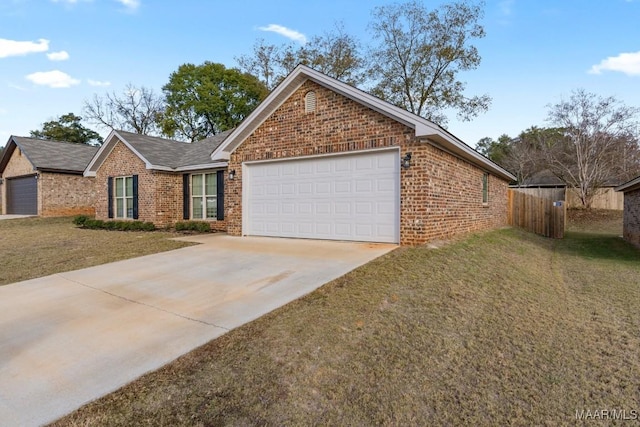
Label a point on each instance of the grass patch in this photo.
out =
(36, 247)
(502, 328)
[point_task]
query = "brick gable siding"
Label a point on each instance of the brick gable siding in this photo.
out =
(441, 195)
(632, 217)
(156, 190)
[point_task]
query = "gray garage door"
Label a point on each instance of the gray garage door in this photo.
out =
(22, 196)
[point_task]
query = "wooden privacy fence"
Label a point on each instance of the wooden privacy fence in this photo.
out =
(540, 215)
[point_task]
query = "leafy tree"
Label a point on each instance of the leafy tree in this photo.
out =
(67, 128)
(420, 54)
(495, 150)
(136, 109)
(335, 53)
(203, 100)
(595, 132)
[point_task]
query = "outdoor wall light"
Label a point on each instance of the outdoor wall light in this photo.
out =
(232, 174)
(406, 161)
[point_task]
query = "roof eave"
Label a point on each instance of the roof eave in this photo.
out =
(632, 185)
(422, 127)
(64, 171)
(214, 165)
(9, 148)
(106, 149)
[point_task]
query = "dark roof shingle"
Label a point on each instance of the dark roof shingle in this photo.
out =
(51, 155)
(173, 154)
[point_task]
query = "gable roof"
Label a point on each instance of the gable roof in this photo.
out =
(634, 184)
(425, 130)
(160, 153)
(543, 178)
(50, 156)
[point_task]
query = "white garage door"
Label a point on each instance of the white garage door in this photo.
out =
(342, 197)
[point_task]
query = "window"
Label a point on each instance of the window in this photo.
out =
(124, 197)
(485, 188)
(204, 200)
(310, 102)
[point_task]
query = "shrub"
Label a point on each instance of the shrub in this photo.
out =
(79, 220)
(198, 226)
(97, 224)
(93, 224)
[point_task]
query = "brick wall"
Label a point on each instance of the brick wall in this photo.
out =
(632, 216)
(160, 197)
(63, 194)
(122, 162)
(441, 195)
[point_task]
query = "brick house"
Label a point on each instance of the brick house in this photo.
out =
(316, 159)
(631, 227)
(43, 177)
(159, 180)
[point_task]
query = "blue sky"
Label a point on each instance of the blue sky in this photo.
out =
(54, 54)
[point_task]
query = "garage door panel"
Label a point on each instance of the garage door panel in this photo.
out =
(385, 208)
(342, 208)
(22, 195)
(350, 197)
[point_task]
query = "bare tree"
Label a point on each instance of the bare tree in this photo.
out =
(264, 63)
(590, 151)
(525, 156)
(335, 53)
(420, 53)
(136, 109)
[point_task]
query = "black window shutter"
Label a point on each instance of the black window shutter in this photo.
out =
(220, 196)
(135, 196)
(110, 197)
(186, 196)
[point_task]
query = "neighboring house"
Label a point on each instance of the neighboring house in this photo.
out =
(159, 180)
(42, 177)
(316, 159)
(546, 184)
(631, 228)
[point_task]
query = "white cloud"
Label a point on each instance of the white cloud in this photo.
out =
(98, 83)
(286, 32)
(54, 79)
(627, 63)
(58, 56)
(17, 87)
(131, 5)
(21, 48)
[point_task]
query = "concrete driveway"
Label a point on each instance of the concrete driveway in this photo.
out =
(70, 338)
(7, 216)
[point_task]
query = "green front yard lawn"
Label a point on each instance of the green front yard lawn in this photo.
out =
(36, 247)
(501, 328)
